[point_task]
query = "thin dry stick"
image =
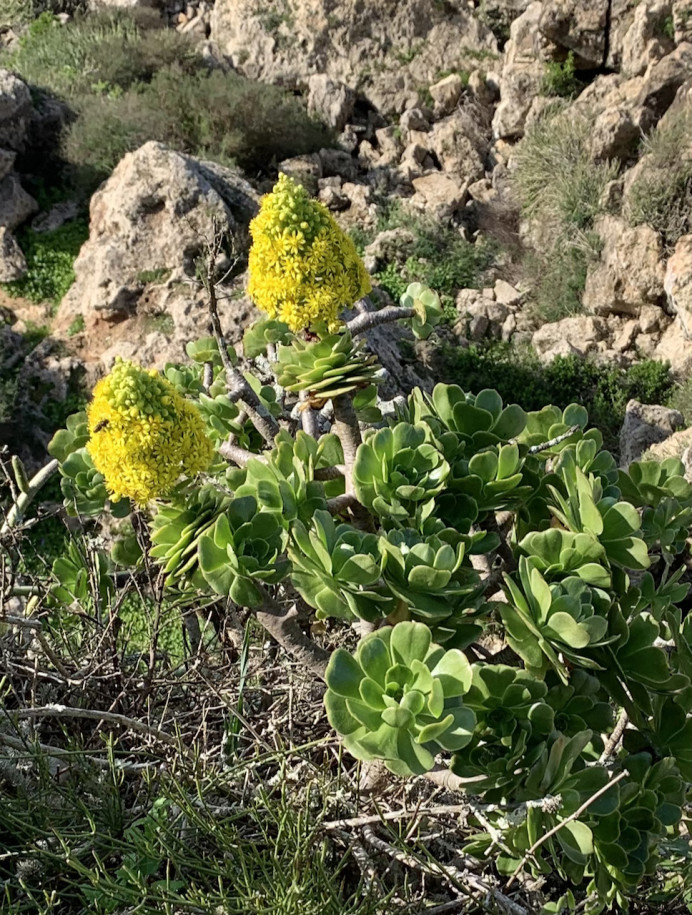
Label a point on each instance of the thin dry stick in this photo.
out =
(544, 446)
(615, 737)
(15, 743)
(574, 816)
(448, 872)
(64, 711)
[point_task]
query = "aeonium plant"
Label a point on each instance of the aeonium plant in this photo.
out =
(502, 593)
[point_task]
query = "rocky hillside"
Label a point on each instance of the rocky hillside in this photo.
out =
(531, 161)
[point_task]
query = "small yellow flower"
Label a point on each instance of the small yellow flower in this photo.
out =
(144, 434)
(303, 268)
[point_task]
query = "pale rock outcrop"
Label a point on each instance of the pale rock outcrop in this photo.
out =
(630, 271)
(678, 283)
(446, 93)
(386, 49)
(439, 194)
(678, 445)
(330, 100)
(579, 26)
(674, 347)
(12, 260)
(15, 204)
(522, 75)
(460, 144)
(149, 224)
(682, 20)
(645, 42)
(645, 425)
(389, 245)
(15, 111)
(577, 336)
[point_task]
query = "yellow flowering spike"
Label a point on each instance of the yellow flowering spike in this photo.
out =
(144, 434)
(303, 268)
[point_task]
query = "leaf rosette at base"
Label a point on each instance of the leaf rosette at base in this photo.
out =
(398, 698)
(325, 368)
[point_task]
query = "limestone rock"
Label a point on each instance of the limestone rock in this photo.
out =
(460, 144)
(12, 260)
(645, 42)
(149, 223)
(682, 20)
(390, 245)
(15, 204)
(578, 336)
(675, 348)
(678, 445)
(630, 271)
(678, 283)
(440, 194)
(306, 170)
(329, 100)
(386, 49)
(7, 158)
(446, 93)
(579, 26)
(15, 111)
(522, 75)
(645, 425)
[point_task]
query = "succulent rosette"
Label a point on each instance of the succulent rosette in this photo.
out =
(399, 698)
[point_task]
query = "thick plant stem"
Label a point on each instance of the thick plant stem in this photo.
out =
(366, 320)
(308, 417)
(239, 391)
(16, 513)
(347, 429)
(282, 624)
(239, 455)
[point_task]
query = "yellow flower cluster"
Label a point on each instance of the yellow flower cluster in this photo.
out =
(303, 268)
(144, 434)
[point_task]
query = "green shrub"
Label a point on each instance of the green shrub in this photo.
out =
(661, 194)
(440, 256)
(213, 114)
(560, 191)
(50, 257)
(517, 373)
(560, 79)
(103, 52)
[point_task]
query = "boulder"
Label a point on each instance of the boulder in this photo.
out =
(7, 158)
(460, 144)
(149, 225)
(386, 49)
(577, 336)
(446, 93)
(579, 26)
(387, 246)
(15, 111)
(306, 170)
(674, 347)
(330, 100)
(522, 75)
(15, 204)
(439, 194)
(12, 260)
(678, 445)
(682, 20)
(678, 283)
(645, 42)
(630, 271)
(645, 425)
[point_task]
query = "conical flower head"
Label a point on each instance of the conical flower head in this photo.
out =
(303, 268)
(144, 434)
